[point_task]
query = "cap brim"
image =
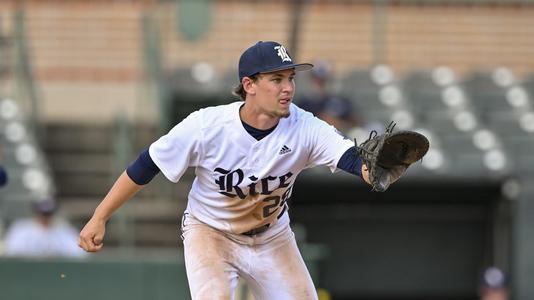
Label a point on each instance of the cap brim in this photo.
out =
(297, 67)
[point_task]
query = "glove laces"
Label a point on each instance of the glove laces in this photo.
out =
(372, 135)
(390, 127)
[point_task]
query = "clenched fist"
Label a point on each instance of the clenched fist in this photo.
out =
(92, 235)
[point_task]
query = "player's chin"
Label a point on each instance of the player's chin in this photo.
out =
(283, 112)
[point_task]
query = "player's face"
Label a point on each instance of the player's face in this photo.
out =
(274, 92)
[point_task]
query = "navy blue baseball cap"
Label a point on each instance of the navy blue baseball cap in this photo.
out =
(265, 57)
(45, 207)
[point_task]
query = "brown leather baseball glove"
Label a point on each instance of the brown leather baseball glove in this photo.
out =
(388, 155)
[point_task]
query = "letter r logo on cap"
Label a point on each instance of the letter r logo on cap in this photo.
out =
(282, 53)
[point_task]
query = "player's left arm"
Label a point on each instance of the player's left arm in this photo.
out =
(352, 163)
(331, 148)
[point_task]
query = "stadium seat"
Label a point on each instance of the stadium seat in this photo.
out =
(511, 123)
(229, 79)
(372, 89)
(528, 83)
(438, 102)
(466, 157)
(490, 94)
(423, 92)
(199, 78)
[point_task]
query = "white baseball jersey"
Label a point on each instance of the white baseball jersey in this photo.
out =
(242, 183)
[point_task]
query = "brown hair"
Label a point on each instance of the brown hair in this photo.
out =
(239, 90)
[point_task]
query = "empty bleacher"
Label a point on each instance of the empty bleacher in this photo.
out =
(85, 160)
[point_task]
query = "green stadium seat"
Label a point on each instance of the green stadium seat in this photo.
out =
(488, 96)
(371, 88)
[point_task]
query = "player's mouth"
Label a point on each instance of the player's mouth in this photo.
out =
(285, 101)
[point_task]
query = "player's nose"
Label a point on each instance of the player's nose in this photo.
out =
(288, 86)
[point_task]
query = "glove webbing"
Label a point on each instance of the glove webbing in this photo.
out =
(373, 134)
(372, 155)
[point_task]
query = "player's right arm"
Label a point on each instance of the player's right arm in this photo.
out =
(171, 154)
(92, 234)
(138, 174)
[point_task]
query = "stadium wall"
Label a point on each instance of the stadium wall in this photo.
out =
(92, 44)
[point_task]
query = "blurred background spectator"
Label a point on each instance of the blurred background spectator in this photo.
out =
(493, 285)
(318, 98)
(42, 236)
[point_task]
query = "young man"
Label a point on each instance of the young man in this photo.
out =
(247, 156)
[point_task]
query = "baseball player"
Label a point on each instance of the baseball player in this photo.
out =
(246, 156)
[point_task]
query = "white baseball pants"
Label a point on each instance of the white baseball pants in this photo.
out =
(270, 263)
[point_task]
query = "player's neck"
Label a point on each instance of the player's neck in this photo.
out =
(254, 117)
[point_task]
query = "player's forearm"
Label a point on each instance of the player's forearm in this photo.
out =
(123, 189)
(352, 163)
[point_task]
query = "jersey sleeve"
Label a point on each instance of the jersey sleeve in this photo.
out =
(179, 149)
(326, 143)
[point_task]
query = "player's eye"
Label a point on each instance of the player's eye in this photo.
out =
(277, 80)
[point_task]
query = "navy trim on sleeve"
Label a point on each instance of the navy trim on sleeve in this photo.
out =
(143, 170)
(351, 162)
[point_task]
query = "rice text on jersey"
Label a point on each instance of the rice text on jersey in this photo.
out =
(229, 182)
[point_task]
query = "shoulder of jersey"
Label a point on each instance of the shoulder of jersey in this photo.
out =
(299, 114)
(217, 115)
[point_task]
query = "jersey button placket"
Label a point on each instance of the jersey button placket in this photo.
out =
(255, 155)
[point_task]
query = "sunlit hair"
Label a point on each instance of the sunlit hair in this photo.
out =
(239, 90)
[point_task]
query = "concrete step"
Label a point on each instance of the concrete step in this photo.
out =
(90, 138)
(84, 162)
(78, 138)
(82, 156)
(142, 209)
(76, 184)
(153, 222)
(140, 234)
(87, 184)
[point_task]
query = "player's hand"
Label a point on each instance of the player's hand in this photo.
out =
(92, 235)
(365, 174)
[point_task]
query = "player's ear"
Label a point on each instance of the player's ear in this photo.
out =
(248, 85)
